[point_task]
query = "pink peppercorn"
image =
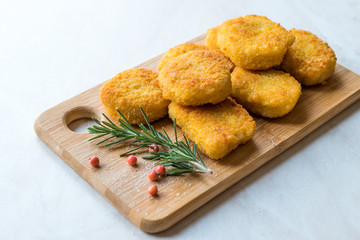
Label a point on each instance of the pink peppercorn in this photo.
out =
(160, 170)
(153, 175)
(153, 148)
(132, 160)
(153, 190)
(94, 161)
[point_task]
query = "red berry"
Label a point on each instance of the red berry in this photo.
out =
(94, 161)
(153, 148)
(160, 170)
(153, 190)
(153, 175)
(132, 160)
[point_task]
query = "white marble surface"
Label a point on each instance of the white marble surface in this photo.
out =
(52, 50)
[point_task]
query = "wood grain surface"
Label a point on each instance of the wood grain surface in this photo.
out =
(126, 187)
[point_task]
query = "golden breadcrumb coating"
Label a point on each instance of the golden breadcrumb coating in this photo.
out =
(310, 60)
(216, 129)
(178, 50)
(196, 78)
(254, 42)
(269, 93)
(131, 89)
(211, 37)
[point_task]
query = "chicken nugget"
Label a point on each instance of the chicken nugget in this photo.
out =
(254, 42)
(310, 60)
(131, 89)
(269, 93)
(216, 129)
(211, 37)
(178, 50)
(196, 78)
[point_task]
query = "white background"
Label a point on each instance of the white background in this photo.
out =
(53, 50)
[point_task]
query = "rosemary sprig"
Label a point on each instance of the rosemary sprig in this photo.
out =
(180, 158)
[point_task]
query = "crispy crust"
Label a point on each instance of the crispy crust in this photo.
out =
(253, 42)
(131, 89)
(216, 129)
(268, 93)
(310, 60)
(196, 78)
(177, 51)
(211, 37)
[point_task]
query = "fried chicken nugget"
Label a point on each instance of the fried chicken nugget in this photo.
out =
(211, 37)
(269, 93)
(196, 78)
(178, 50)
(129, 90)
(254, 42)
(216, 129)
(310, 60)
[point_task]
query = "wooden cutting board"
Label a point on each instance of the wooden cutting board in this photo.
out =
(126, 187)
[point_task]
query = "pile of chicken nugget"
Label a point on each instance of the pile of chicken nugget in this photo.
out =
(248, 64)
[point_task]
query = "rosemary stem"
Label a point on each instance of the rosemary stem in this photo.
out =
(180, 157)
(204, 169)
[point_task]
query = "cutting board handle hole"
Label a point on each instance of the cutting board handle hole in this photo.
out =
(80, 118)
